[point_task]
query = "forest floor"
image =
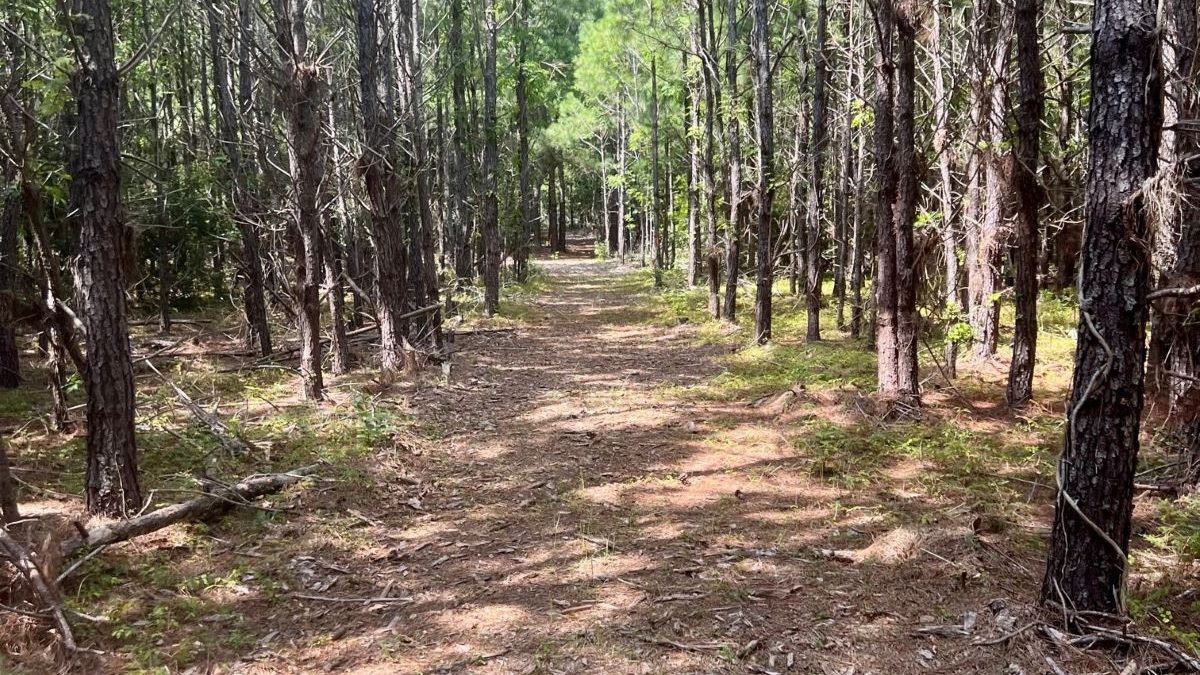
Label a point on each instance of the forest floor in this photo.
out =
(613, 485)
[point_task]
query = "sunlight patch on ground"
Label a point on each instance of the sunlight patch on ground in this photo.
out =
(482, 621)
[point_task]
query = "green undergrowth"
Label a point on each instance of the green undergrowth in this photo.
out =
(985, 468)
(517, 299)
(179, 603)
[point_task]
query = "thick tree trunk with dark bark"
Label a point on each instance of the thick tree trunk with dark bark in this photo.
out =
(905, 211)
(1028, 151)
(13, 142)
(1086, 565)
(525, 188)
(462, 223)
(10, 356)
(112, 475)
(491, 215)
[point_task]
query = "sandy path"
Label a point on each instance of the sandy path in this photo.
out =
(577, 516)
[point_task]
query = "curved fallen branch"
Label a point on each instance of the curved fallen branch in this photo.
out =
(216, 500)
(19, 557)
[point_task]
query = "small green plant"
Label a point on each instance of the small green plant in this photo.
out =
(1179, 527)
(960, 333)
(372, 425)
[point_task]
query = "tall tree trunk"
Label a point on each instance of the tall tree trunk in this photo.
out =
(986, 249)
(692, 117)
(813, 264)
(886, 339)
(656, 214)
(564, 219)
(941, 147)
(331, 258)
(13, 146)
(1086, 564)
(711, 107)
(622, 147)
(525, 188)
(1028, 153)
(462, 223)
(845, 169)
(303, 98)
(112, 474)
(552, 205)
(10, 217)
(425, 329)
(1178, 331)
(860, 235)
(905, 211)
(377, 166)
(491, 224)
(760, 42)
(258, 330)
(733, 163)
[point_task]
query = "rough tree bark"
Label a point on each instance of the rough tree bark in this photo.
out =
(711, 107)
(1179, 332)
(112, 477)
(303, 97)
(383, 192)
(692, 117)
(885, 169)
(986, 226)
(461, 226)
(1028, 151)
(525, 189)
(258, 331)
(491, 225)
(819, 139)
(425, 330)
(941, 147)
(1085, 567)
(12, 148)
(760, 42)
(733, 167)
(905, 212)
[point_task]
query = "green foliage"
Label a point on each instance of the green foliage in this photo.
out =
(1058, 311)
(960, 333)
(1178, 528)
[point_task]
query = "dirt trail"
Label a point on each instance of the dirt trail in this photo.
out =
(575, 515)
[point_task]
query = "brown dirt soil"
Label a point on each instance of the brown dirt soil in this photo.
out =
(575, 514)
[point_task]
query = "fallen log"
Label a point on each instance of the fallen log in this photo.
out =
(482, 331)
(216, 500)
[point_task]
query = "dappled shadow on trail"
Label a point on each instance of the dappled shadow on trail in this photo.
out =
(574, 515)
(573, 507)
